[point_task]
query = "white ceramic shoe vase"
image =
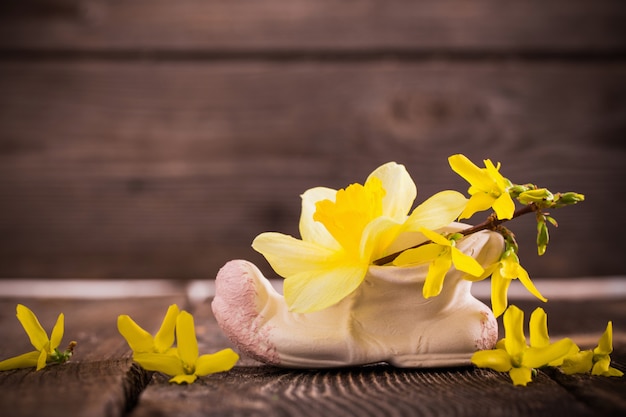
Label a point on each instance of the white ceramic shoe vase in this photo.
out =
(385, 320)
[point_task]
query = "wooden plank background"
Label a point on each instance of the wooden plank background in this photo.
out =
(156, 139)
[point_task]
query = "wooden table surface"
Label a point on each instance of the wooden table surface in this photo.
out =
(101, 379)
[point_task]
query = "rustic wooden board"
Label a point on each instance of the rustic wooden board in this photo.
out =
(299, 26)
(383, 390)
(168, 170)
(100, 380)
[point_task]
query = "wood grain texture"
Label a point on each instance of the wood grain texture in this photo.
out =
(168, 170)
(369, 391)
(376, 390)
(301, 25)
(97, 384)
(100, 380)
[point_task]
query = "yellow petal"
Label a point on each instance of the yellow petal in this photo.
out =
(477, 202)
(526, 281)
(57, 333)
(499, 293)
(137, 338)
(539, 328)
(470, 172)
(311, 230)
(310, 291)
(577, 363)
(603, 368)
(421, 254)
(435, 237)
(605, 344)
(221, 361)
(160, 362)
(536, 357)
(27, 360)
(515, 341)
(36, 333)
(164, 338)
(496, 359)
(289, 256)
(377, 238)
(504, 206)
(43, 357)
(466, 263)
(437, 271)
(521, 376)
(400, 190)
(438, 211)
(186, 339)
(184, 379)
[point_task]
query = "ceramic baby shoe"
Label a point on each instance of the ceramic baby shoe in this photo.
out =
(386, 319)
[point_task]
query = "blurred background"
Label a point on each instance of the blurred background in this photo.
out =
(157, 138)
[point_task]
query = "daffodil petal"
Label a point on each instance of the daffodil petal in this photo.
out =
(421, 254)
(515, 341)
(399, 187)
(469, 171)
(436, 212)
(605, 344)
(26, 360)
(186, 339)
(57, 332)
(184, 379)
(539, 328)
(164, 338)
(37, 335)
(477, 202)
(311, 230)
(310, 291)
(160, 362)
(499, 291)
(521, 376)
(43, 358)
(466, 263)
(437, 271)
(289, 256)
(504, 206)
(496, 359)
(536, 357)
(221, 361)
(378, 237)
(528, 284)
(137, 338)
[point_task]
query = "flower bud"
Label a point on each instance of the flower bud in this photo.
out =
(538, 196)
(569, 198)
(543, 237)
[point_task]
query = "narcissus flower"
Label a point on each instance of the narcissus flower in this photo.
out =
(186, 366)
(140, 341)
(514, 356)
(343, 232)
(441, 254)
(488, 188)
(46, 348)
(502, 273)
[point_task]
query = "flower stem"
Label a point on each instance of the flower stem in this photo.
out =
(491, 223)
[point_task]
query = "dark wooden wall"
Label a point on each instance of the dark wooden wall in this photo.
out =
(157, 138)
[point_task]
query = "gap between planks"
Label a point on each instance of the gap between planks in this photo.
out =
(609, 287)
